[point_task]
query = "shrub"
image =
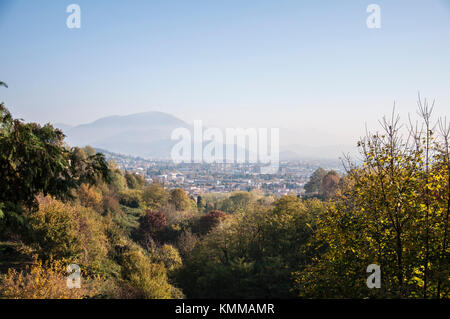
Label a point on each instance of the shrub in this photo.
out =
(151, 224)
(179, 199)
(111, 205)
(145, 279)
(130, 198)
(170, 257)
(134, 181)
(89, 196)
(155, 196)
(207, 222)
(68, 231)
(186, 243)
(45, 281)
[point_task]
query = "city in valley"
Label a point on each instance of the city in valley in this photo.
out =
(199, 178)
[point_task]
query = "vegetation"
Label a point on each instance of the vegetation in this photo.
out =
(62, 205)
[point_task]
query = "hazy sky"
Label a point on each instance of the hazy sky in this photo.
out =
(312, 67)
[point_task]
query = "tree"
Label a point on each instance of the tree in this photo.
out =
(151, 224)
(3, 84)
(252, 254)
(207, 222)
(179, 199)
(146, 279)
(134, 181)
(186, 243)
(130, 198)
(118, 182)
(170, 257)
(236, 201)
(315, 181)
(155, 196)
(33, 160)
(200, 203)
(391, 211)
(66, 230)
(329, 185)
(90, 196)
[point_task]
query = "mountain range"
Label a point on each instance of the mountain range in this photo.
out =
(148, 135)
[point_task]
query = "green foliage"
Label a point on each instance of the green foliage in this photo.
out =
(118, 181)
(131, 198)
(315, 181)
(236, 201)
(145, 278)
(170, 257)
(33, 160)
(134, 181)
(155, 196)
(251, 254)
(180, 199)
(68, 231)
(391, 211)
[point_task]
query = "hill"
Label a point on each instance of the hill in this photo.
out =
(143, 134)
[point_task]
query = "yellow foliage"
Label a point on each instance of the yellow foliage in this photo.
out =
(45, 281)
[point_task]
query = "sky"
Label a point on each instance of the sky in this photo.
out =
(312, 68)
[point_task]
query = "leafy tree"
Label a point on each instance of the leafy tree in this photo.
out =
(330, 183)
(130, 198)
(236, 201)
(33, 160)
(90, 151)
(315, 181)
(209, 221)
(144, 278)
(170, 257)
(134, 181)
(391, 211)
(186, 243)
(151, 224)
(117, 180)
(89, 196)
(155, 196)
(64, 230)
(179, 199)
(252, 254)
(46, 280)
(110, 205)
(200, 203)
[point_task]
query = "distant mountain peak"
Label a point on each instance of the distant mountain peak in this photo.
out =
(144, 134)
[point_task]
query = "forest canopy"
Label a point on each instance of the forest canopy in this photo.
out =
(61, 205)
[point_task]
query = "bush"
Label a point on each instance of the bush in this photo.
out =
(111, 205)
(145, 279)
(134, 181)
(151, 224)
(186, 243)
(155, 196)
(68, 231)
(180, 200)
(130, 198)
(170, 257)
(207, 222)
(89, 196)
(45, 281)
